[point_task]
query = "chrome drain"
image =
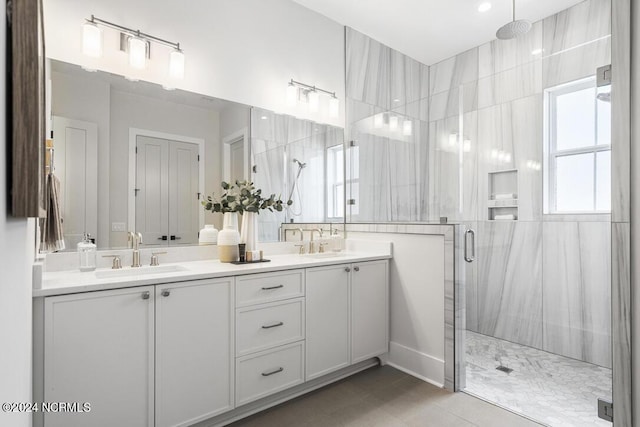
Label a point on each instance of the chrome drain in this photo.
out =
(504, 369)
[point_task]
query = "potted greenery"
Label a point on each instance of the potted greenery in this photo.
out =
(243, 198)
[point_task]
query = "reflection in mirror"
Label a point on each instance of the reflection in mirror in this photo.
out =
(300, 160)
(132, 156)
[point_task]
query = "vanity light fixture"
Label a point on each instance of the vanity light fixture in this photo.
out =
(137, 43)
(407, 128)
(378, 121)
(137, 52)
(393, 123)
(311, 94)
(314, 101)
(91, 40)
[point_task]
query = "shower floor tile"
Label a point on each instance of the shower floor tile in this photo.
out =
(551, 389)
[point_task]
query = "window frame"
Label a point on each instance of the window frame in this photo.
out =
(552, 153)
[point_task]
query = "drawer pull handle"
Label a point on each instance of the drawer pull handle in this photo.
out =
(269, 288)
(275, 371)
(275, 325)
(356, 268)
(146, 295)
(166, 293)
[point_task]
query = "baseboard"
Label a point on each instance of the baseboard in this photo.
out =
(417, 364)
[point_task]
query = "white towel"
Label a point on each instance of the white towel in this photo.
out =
(504, 196)
(51, 235)
(505, 216)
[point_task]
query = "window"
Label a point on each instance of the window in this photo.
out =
(579, 148)
(336, 182)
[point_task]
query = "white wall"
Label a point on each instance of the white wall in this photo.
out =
(16, 255)
(88, 99)
(417, 302)
(241, 50)
(136, 111)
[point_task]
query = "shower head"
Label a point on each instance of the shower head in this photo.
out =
(300, 164)
(514, 28)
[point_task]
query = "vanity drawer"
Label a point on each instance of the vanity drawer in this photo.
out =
(268, 372)
(259, 288)
(269, 325)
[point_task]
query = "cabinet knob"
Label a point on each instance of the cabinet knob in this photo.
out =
(166, 293)
(145, 295)
(347, 269)
(356, 268)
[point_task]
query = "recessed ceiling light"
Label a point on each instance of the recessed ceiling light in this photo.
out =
(484, 7)
(264, 117)
(536, 52)
(396, 100)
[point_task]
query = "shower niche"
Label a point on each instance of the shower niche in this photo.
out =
(503, 195)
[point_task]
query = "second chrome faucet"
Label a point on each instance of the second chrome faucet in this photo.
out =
(135, 239)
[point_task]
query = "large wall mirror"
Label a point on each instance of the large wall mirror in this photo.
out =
(150, 153)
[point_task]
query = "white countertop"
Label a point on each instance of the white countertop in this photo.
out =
(74, 281)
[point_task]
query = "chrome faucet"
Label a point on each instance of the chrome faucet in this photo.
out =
(135, 239)
(312, 248)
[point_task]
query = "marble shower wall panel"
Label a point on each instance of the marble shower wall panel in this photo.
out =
(582, 23)
(453, 72)
(502, 55)
(447, 104)
(576, 63)
(515, 128)
(577, 290)
(505, 86)
(452, 182)
(510, 281)
(368, 69)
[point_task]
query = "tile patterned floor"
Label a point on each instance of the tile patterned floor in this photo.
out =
(385, 397)
(552, 389)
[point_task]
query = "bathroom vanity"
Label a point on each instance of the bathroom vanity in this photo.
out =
(205, 341)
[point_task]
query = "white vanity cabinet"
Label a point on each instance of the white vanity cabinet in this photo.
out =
(99, 348)
(328, 308)
(347, 315)
(270, 333)
(369, 310)
(156, 355)
(216, 349)
(193, 351)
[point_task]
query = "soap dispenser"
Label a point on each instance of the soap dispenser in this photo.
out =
(87, 253)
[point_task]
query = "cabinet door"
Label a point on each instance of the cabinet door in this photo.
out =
(194, 368)
(369, 310)
(99, 350)
(327, 320)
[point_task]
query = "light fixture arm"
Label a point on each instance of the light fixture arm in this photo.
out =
(311, 88)
(132, 32)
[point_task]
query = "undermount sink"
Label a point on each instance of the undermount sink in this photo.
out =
(139, 271)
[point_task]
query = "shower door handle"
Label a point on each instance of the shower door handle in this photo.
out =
(472, 233)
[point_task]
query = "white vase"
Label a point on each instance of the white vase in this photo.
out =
(208, 235)
(249, 231)
(229, 238)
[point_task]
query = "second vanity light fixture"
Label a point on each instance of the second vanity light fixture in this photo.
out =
(297, 91)
(137, 44)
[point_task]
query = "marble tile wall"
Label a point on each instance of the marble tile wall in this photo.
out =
(577, 290)
(509, 281)
(383, 86)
